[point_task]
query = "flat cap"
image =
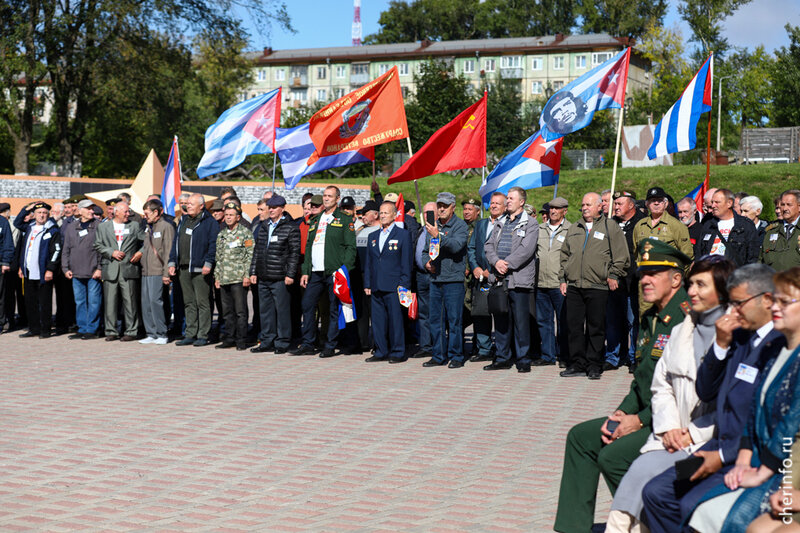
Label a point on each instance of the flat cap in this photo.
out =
(97, 210)
(316, 199)
(369, 205)
(85, 204)
(656, 192)
(471, 200)
(216, 205)
(276, 200)
(348, 202)
(545, 208)
(558, 202)
(446, 198)
(40, 205)
(656, 255)
(391, 197)
(4, 206)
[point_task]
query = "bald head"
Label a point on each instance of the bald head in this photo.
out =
(591, 206)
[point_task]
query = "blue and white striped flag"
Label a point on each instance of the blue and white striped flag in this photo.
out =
(294, 147)
(677, 131)
(244, 129)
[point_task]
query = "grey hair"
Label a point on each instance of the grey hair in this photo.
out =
(688, 200)
(752, 201)
(184, 196)
(756, 276)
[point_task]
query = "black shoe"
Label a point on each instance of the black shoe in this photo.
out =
(60, 331)
(241, 346)
(75, 336)
(455, 364)
(304, 349)
(88, 336)
(608, 366)
(280, 350)
(421, 354)
(523, 369)
(498, 366)
(562, 364)
(127, 338)
(112, 338)
(186, 341)
(29, 334)
(572, 372)
(374, 359)
(631, 369)
(225, 345)
(327, 352)
(542, 362)
(594, 374)
(201, 342)
(44, 335)
(433, 362)
(480, 358)
(396, 360)
(261, 348)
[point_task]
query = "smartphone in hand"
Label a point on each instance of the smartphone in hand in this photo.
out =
(611, 426)
(430, 218)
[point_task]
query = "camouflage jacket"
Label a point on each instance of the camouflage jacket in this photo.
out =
(234, 253)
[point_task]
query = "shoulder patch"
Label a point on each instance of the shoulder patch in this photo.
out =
(666, 319)
(772, 225)
(686, 307)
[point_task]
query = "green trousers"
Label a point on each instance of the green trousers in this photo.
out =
(197, 303)
(126, 290)
(585, 458)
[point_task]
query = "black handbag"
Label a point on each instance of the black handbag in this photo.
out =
(480, 299)
(498, 298)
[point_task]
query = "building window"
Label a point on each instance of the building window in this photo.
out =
(383, 69)
(262, 75)
(339, 92)
(601, 57)
(488, 65)
(280, 74)
(537, 63)
(469, 66)
(341, 71)
(299, 95)
(402, 69)
(558, 85)
(322, 73)
(404, 90)
(511, 62)
(558, 62)
(580, 61)
(536, 87)
(322, 95)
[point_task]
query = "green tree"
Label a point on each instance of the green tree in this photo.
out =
(706, 19)
(525, 18)
(749, 91)
(786, 81)
(504, 124)
(621, 17)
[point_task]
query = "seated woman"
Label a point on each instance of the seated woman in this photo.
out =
(681, 422)
(771, 428)
(784, 513)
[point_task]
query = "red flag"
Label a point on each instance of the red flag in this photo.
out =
(400, 219)
(459, 144)
(371, 115)
(413, 309)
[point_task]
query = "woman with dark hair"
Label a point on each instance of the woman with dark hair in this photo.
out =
(763, 465)
(681, 422)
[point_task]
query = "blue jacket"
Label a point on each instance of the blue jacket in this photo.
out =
(50, 249)
(203, 243)
(6, 243)
(391, 268)
(717, 381)
(452, 260)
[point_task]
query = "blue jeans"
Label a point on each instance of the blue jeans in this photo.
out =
(549, 304)
(620, 323)
(424, 311)
(88, 299)
(514, 326)
(446, 305)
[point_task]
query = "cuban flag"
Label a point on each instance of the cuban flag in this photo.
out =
(573, 107)
(534, 163)
(342, 290)
(294, 147)
(677, 131)
(245, 129)
(171, 189)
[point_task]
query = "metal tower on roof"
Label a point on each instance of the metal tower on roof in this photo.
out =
(356, 22)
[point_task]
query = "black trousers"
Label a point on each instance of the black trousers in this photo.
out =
(65, 302)
(39, 303)
(586, 327)
(234, 309)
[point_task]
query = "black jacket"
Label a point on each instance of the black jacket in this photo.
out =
(742, 246)
(278, 257)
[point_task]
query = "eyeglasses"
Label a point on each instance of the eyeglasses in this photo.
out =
(783, 301)
(737, 304)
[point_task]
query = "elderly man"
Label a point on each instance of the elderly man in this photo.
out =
(687, 213)
(594, 257)
(728, 234)
(40, 258)
(421, 258)
(119, 242)
(781, 245)
(192, 258)
(157, 241)
(370, 224)
(511, 250)
(592, 448)
(707, 202)
(446, 243)
(476, 255)
(80, 263)
(661, 225)
(274, 268)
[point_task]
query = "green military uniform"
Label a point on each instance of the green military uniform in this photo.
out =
(340, 243)
(778, 250)
(586, 457)
(668, 230)
(234, 255)
(469, 279)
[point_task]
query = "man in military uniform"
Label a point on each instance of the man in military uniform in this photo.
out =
(592, 448)
(781, 246)
(472, 214)
(662, 226)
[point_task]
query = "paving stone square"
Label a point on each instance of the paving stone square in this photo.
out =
(128, 437)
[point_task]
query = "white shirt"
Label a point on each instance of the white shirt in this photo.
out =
(119, 233)
(32, 252)
(755, 340)
(318, 247)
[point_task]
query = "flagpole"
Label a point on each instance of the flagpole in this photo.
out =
(274, 160)
(616, 154)
(416, 186)
(708, 141)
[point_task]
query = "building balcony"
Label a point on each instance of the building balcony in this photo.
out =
(511, 73)
(300, 81)
(357, 80)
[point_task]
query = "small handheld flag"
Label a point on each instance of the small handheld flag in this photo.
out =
(343, 291)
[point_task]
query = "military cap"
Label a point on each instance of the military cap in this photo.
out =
(276, 200)
(558, 202)
(40, 205)
(112, 202)
(74, 199)
(391, 197)
(447, 198)
(369, 205)
(656, 255)
(655, 192)
(83, 204)
(316, 199)
(408, 205)
(347, 202)
(4, 206)
(471, 200)
(229, 205)
(216, 205)
(97, 210)
(545, 208)
(620, 194)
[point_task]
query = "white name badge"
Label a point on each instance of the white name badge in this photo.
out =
(126, 231)
(233, 244)
(746, 373)
(560, 238)
(156, 234)
(599, 235)
(521, 233)
(47, 236)
(274, 238)
(707, 236)
(83, 233)
(773, 237)
(189, 231)
(654, 237)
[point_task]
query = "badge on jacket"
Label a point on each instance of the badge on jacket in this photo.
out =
(433, 251)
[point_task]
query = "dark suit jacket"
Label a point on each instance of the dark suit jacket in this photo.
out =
(391, 268)
(717, 381)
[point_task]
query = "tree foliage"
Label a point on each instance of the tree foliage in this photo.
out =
(706, 19)
(621, 17)
(786, 81)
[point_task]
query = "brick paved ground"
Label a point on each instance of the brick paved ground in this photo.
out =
(119, 436)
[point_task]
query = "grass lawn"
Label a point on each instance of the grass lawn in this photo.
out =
(764, 181)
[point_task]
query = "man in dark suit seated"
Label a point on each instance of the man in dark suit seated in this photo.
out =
(388, 267)
(728, 375)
